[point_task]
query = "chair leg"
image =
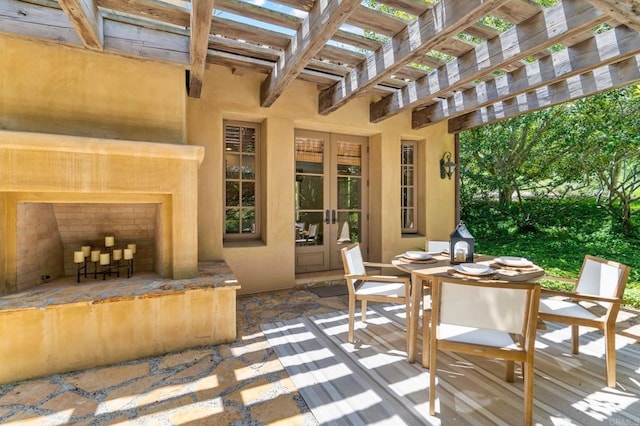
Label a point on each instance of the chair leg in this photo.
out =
(527, 374)
(610, 354)
(425, 339)
(432, 379)
(575, 339)
(510, 371)
(352, 314)
(363, 305)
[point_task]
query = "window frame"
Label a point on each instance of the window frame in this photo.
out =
(406, 185)
(256, 233)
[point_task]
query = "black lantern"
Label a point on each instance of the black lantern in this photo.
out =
(461, 245)
(447, 167)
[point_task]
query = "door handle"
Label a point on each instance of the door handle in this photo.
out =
(333, 217)
(326, 217)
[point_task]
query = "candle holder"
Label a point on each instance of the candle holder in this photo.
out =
(111, 261)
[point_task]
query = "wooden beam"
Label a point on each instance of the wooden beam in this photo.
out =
(49, 24)
(86, 19)
(321, 23)
(603, 49)
(200, 28)
(599, 80)
(626, 12)
(421, 35)
(550, 26)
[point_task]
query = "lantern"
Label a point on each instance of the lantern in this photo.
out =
(461, 245)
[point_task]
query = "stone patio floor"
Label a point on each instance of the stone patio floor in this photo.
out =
(242, 383)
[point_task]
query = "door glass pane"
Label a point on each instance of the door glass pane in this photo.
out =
(349, 193)
(349, 227)
(349, 158)
(309, 155)
(310, 195)
(305, 224)
(232, 138)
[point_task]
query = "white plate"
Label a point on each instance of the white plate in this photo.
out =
(514, 261)
(473, 269)
(417, 255)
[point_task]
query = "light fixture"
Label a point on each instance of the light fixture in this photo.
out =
(447, 167)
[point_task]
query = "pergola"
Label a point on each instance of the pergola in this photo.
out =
(483, 77)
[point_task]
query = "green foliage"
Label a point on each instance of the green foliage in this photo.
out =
(566, 230)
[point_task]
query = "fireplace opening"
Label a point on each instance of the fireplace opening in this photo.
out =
(49, 233)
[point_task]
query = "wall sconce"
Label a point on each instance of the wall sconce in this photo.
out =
(447, 167)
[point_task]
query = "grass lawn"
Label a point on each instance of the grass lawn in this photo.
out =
(558, 236)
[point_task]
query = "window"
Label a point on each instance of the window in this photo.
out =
(408, 187)
(241, 212)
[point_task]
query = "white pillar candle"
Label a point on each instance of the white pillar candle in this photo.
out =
(128, 254)
(132, 247)
(86, 250)
(109, 241)
(95, 255)
(78, 257)
(104, 259)
(117, 254)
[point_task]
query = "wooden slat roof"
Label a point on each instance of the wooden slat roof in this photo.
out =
(439, 59)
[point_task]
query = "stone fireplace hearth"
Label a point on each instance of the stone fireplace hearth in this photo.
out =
(58, 192)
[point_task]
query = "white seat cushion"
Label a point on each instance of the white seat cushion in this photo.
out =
(565, 308)
(476, 336)
(381, 288)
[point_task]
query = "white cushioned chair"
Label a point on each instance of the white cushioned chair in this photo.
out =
(487, 319)
(370, 288)
(601, 282)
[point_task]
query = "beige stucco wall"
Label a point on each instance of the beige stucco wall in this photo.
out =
(52, 89)
(270, 265)
(70, 337)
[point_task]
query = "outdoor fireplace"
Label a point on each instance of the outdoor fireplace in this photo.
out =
(58, 193)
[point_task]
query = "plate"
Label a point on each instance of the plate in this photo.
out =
(473, 269)
(417, 255)
(514, 261)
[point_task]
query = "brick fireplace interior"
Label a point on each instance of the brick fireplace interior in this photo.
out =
(49, 233)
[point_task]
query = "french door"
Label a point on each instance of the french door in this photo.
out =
(330, 197)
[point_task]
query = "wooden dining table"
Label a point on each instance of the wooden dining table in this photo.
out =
(423, 271)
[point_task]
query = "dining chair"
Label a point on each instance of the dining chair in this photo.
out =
(601, 282)
(311, 237)
(365, 288)
(486, 319)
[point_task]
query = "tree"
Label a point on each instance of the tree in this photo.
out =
(610, 139)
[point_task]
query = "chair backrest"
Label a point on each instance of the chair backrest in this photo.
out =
(437, 246)
(601, 277)
(352, 260)
(313, 231)
(506, 307)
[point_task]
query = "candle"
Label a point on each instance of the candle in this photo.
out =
(117, 254)
(95, 255)
(78, 256)
(128, 254)
(86, 250)
(104, 259)
(109, 241)
(132, 247)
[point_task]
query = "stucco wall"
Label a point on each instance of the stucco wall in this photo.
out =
(271, 265)
(46, 88)
(52, 89)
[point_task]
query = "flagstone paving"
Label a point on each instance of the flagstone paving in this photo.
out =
(242, 383)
